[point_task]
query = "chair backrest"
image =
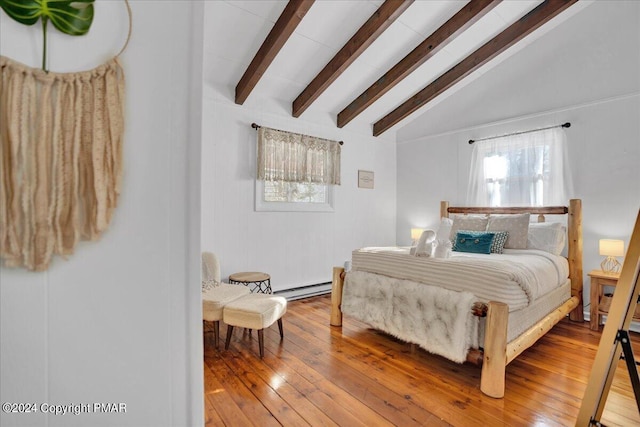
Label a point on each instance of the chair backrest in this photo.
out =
(210, 267)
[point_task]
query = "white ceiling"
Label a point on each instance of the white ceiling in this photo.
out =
(240, 27)
(591, 58)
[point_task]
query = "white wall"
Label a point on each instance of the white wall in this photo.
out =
(604, 150)
(296, 249)
(119, 321)
(582, 86)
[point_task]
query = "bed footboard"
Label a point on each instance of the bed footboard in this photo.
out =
(494, 357)
(497, 352)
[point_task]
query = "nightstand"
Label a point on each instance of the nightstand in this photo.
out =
(599, 279)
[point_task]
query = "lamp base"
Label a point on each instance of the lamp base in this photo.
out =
(610, 265)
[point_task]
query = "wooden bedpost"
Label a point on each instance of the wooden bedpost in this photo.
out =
(336, 296)
(574, 232)
(495, 350)
(444, 206)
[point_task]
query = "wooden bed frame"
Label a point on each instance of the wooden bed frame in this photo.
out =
(497, 352)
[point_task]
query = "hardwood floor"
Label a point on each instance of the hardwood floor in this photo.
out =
(354, 376)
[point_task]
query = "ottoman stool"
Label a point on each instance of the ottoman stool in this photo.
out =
(214, 300)
(254, 311)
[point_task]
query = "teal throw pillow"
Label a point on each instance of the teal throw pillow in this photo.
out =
(499, 239)
(477, 242)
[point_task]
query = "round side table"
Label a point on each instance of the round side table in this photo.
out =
(256, 281)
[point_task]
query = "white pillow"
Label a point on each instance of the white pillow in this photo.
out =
(468, 223)
(547, 236)
(517, 225)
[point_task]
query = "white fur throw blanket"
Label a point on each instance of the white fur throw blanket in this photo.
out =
(436, 319)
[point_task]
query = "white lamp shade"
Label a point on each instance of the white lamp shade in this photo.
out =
(611, 247)
(416, 233)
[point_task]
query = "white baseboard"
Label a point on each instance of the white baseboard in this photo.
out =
(305, 291)
(634, 327)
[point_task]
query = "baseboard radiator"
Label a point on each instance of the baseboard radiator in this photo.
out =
(305, 291)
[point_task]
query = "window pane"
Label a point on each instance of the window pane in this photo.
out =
(294, 192)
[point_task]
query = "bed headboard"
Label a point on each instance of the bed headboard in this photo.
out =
(574, 236)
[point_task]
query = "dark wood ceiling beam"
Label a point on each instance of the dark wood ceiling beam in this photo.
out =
(278, 36)
(516, 32)
(361, 40)
(463, 19)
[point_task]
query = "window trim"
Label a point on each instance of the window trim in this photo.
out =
(262, 206)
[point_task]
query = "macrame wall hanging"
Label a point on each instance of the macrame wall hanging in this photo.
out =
(61, 137)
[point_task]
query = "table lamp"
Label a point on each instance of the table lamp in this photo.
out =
(415, 235)
(611, 249)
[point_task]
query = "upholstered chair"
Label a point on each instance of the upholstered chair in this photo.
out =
(215, 295)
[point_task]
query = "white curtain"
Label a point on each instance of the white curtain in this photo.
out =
(292, 157)
(527, 169)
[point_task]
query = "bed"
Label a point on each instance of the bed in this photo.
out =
(482, 309)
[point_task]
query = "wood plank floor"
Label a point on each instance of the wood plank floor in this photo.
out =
(354, 376)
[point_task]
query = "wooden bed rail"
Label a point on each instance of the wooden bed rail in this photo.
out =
(544, 210)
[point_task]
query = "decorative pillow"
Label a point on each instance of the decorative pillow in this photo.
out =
(517, 225)
(499, 238)
(479, 243)
(547, 236)
(468, 222)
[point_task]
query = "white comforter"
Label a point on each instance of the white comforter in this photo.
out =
(517, 277)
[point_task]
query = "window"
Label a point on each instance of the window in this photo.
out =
(296, 172)
(293, 196)
(527, 169)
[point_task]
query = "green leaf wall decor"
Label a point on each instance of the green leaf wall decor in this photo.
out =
(73, 17)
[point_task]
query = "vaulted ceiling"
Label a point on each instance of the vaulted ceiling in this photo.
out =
(382, 62)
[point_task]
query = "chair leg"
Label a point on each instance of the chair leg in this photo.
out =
(261, 342)
(280, 327)
(216, 332)
(229, 333)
